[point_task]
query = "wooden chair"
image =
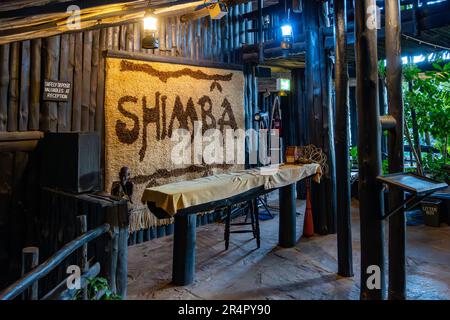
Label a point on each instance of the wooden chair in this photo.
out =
(252, 212)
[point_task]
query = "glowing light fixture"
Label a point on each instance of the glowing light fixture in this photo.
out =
(286, 30)
(287, 33)
(149, 40)
(150, 23)
(287, 36)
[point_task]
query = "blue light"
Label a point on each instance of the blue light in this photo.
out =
(286, 30)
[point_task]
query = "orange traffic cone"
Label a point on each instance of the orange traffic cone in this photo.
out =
(308, 225)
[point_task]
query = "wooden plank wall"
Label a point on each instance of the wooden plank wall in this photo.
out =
(77, 58)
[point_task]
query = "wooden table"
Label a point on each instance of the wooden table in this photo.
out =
(183, 269)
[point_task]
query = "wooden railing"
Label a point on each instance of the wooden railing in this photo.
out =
(28, 284)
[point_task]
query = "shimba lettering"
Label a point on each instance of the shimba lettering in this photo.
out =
(183, 116)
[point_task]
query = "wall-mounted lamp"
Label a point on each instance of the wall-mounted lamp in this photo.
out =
(286, 33)
(287, 36)
(149, 40)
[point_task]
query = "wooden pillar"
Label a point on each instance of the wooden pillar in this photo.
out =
(344, 231)
(24, 101)
(50, 52)
(353, 109)
(319, 111)
(30, 259)
(287, 235)
(122, 262)
(4, 85)
(369, 152)
(184, 249)
(14, 75)
(397, 277)
(83, 261)
(112, 248)
(300, 120)
(260, 31)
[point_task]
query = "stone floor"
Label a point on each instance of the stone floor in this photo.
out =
(307, 271)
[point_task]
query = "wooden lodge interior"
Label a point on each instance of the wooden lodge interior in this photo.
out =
(91, 98)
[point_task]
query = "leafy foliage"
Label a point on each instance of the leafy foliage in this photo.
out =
(428, 93)
(94, 287)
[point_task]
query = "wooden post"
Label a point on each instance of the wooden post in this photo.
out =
(82, 224)
(77, 82)
(122, 258)
(30, 259)
(344, 230)
(397, 274)
(35, 84)
(369, 155)
(66, 74)
(94, 78)
(300, 119)
(184, 249)
(4, 84)
(260, 31)
(24, 86)
(50, 49)
(319, 111)
(286, 233)
(86, 84)
(112, 248)
(13, 99)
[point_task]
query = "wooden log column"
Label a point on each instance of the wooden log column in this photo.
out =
(184, 249)
(369, 151)
(287, 235)
(318, 112)
(344, 231)
(397, 277)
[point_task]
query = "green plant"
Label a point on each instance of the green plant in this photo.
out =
(354, 153)
(95, 286)
(434, 166)
(427, 109)
(385, 166)
(353, 157)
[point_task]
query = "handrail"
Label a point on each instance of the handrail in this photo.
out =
(44, 269)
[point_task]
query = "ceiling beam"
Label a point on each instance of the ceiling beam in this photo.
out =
(121, 11)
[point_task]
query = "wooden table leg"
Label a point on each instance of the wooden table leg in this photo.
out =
(184, 249)
(287, 236)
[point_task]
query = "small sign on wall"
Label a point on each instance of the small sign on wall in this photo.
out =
(56, 90)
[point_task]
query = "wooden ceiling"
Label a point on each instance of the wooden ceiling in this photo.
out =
(28, 19)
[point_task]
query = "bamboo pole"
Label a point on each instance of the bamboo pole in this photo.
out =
(369, 153)
(13, 98)
(344, 231)
(4, 84)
